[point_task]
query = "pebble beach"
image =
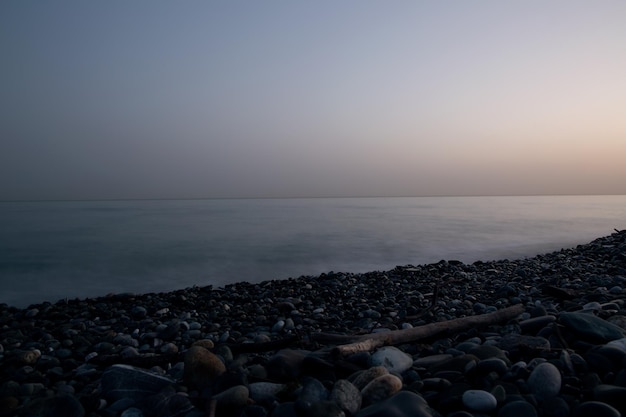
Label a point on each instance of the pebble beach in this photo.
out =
(271, 349)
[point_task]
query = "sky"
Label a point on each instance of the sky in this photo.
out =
(194, 99)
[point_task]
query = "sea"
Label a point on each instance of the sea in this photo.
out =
(57, 250)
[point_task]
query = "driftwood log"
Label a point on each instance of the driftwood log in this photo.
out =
(360, 343)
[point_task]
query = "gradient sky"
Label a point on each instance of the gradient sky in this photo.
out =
(154, 99)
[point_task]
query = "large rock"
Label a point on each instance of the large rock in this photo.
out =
(591, 328)
(125, 381)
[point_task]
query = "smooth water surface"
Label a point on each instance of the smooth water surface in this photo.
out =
(54, 250)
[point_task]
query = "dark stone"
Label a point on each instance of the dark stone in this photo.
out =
(491, 365)
(517, 409)
(562, 293)
(202, 367)
(555, 407)
(312, 391)
(403, 404)
(611, 394)
(517, 344)
(319, 409)
(125, 381)
(286, 364)
(535, 324)
(489, 351)
(347, 396)
(591, 328)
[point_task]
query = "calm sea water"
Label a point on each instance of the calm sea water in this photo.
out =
(53, 250)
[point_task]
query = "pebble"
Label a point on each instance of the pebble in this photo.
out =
(234, 397)
(260, 391)
(347, 396)
(392, 358)
(65, 405)
(202, 367)
(312, 391)
(479, 400)
(545, 381)
(381, 388)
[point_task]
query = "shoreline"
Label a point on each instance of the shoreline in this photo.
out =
(63, 354)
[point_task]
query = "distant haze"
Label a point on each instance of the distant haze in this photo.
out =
(143, 99)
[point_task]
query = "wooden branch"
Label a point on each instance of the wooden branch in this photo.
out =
(353, 344)
(356, 347)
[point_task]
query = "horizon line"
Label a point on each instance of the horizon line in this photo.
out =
(68, 200)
